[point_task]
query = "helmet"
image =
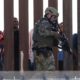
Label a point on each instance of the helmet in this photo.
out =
(51, 10)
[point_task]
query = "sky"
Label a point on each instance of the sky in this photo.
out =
(31, 18)
(1, 15)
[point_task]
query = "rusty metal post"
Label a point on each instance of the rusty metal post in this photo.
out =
(23, 26)
(8, 35)
(67, 17)
(38, 10)
(67, 21)
(78, 34)
(53, 3)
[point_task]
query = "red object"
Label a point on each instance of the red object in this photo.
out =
(1, 36)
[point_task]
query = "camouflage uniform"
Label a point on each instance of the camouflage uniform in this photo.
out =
(43, 41)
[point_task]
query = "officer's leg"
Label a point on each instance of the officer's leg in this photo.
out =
(55, 53)
(38, 59)
(49, 61)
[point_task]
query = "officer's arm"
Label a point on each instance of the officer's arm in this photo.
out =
(44, 30)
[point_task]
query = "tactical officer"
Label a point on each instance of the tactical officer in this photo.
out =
(45, 36)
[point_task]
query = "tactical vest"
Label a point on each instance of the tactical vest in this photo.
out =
(43, 41)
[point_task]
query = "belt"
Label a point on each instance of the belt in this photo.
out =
(42, 48)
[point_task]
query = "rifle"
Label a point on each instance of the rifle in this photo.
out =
(64, 41)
